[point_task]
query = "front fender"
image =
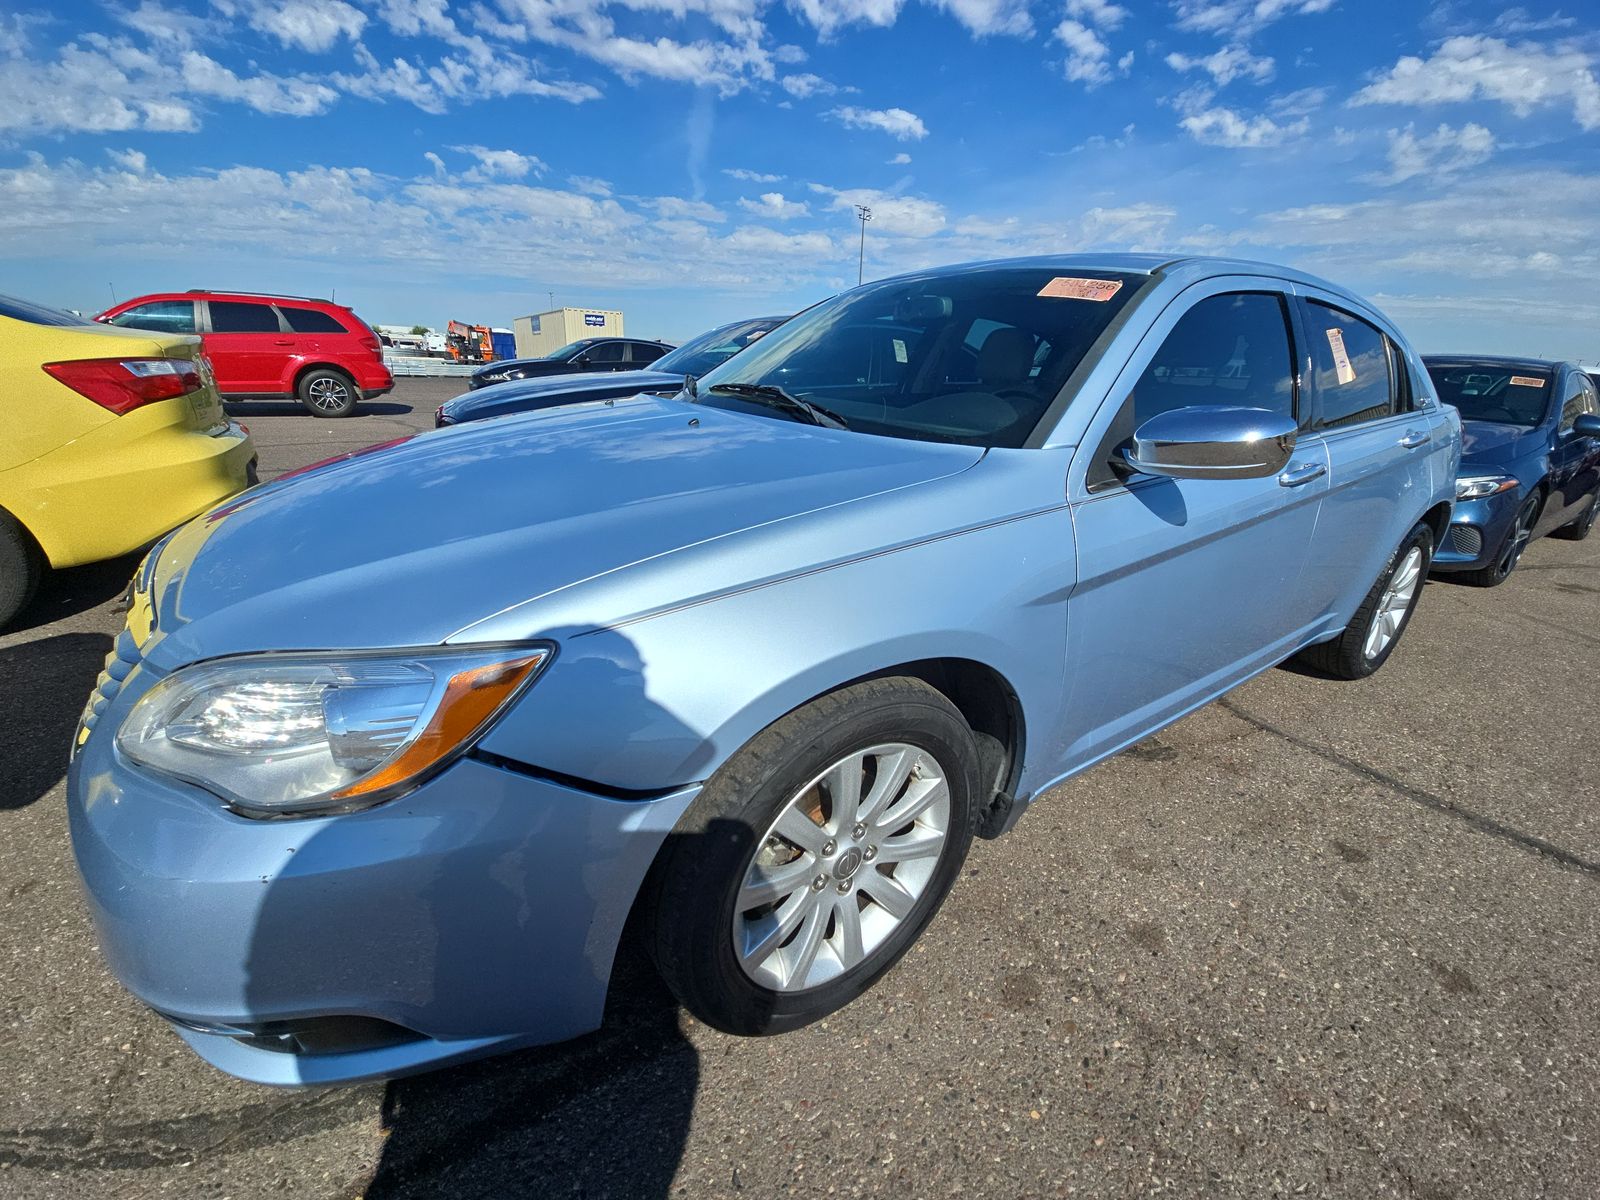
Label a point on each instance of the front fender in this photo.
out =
(654, 703)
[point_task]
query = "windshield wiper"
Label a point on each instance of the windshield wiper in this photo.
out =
(774, 396)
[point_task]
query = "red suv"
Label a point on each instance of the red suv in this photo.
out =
(271, 347)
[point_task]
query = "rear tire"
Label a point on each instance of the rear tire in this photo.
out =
(763, 964)
(1510, 550)
(1576, 531)
(1362, 648)
(21, 568)
(328, 393)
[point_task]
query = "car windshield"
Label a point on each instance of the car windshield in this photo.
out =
(975, 356)
(1509, 395)
(569, 349)
(37, 314)
(711, 350)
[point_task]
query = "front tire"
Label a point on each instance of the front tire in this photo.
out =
(814, 857)
(328, 393)
(21, 568)
(1509, 553)
(1374, 632)
(1576, 531)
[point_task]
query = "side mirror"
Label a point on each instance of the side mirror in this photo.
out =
(1586, 425)
(1213, 442)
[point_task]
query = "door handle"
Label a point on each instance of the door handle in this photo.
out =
(1302, 473)
(283, 341)
(1414, 437)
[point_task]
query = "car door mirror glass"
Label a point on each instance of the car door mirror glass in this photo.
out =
(1213, 442)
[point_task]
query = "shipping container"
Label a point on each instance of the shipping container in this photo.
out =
(539, 334)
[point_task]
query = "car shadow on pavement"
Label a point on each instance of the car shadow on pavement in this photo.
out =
(293, 408)
(604, 1117)
(43, 685)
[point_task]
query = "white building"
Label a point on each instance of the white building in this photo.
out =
(541, 333)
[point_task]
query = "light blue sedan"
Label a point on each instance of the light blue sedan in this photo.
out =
(752, 664)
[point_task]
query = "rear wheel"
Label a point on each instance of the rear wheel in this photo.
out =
(1576, 531)
(21, 568)
(328, 393)
(1509, 553)
(1369, 639)
(815, 857)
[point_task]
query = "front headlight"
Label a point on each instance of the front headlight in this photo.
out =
(293, 734)
(1476, 487)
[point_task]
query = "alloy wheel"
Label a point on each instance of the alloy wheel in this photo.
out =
(1394, 603)
(328, 394)
(1517, 541)
(844, 864)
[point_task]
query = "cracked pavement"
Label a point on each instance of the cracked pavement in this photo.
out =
(1319, 938)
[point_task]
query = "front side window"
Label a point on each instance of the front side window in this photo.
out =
(606, 353)
(1351, 368)
(1579, 402)
(975, 357)
(306, 320)
(160, 316)
(1492, 391)
(231, 316)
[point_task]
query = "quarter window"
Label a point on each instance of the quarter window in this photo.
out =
(160, 316)
(228, 316)
(305, 320)
(645, 352)
(1352, 370)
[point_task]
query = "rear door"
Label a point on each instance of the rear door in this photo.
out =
(1364, 413)
(642, 354)
(1574, 458)
(1185, 586)
(606, 356)
(248, 347)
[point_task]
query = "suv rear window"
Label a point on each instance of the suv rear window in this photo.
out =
(310, 320)
(37, 314)
(232, 316)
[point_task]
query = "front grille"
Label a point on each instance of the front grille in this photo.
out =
(124, 657)
(1466, 541)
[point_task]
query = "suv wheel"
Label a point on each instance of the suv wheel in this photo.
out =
(815, 857)
(1576, 531)
(1509, 553)
(328, 393)
(1374, 632)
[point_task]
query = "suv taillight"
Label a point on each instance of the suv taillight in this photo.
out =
(124, 384)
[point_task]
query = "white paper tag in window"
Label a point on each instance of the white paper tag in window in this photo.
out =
(1065, 287)
(900, 351)
(1526, 381)
(1341, 360)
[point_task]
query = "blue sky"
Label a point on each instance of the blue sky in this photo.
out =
(694, 161)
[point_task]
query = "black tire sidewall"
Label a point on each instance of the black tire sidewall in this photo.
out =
(701, 873)
(1421, 535)
(310, 377)
(21, 567)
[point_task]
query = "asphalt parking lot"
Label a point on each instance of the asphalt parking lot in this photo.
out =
(1322, 939)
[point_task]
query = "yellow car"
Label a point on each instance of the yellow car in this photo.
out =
(109, 437)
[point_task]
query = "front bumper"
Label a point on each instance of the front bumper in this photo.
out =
(478, 912)
(1477, 531)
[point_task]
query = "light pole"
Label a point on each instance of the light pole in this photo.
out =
(863, 214)
(552, 296)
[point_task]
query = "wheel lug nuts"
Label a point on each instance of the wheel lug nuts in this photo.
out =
(844, 887)
(858, 831)
(828, 848)
(820, 882)
(870, 853)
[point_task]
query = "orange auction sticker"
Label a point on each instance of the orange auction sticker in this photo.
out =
(1065, 287)
(1526, 381)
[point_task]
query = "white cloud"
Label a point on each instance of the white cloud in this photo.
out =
(1443, 152)
(311, 25)
(435, 161)
(1088, 55)
(900, 160)
(162, 24)
(1226, 127)
(774, 207)
(589, 185)
(827, 17)
(1099, 13)
(896, 122)
(750, 176)
(460, 77)
(987, 18)
(804, 86)
(676, 207)
(500, 164)
(902, 216)
(128, 160)
(1225, 65)
(1524, 77)
(1241, 18)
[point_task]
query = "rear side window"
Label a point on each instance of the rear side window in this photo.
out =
(605, 352)
(645, 352)
(1352, 370)
(231, 316)
(308, 320)
(162, 316)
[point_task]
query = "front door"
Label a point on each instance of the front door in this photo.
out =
(247, 347)
(1186, 586)
(1574, 458)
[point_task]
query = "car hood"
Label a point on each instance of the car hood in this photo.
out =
(520, 395)
(1494, 443)
(413, 542)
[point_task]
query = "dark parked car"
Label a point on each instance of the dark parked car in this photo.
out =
(587, 354)
(1530, 459)
(663, 378)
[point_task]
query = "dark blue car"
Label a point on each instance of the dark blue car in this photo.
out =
(664, 377)
(1530, 459)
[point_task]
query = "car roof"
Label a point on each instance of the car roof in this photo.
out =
(218, 294)
(1497, 360)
